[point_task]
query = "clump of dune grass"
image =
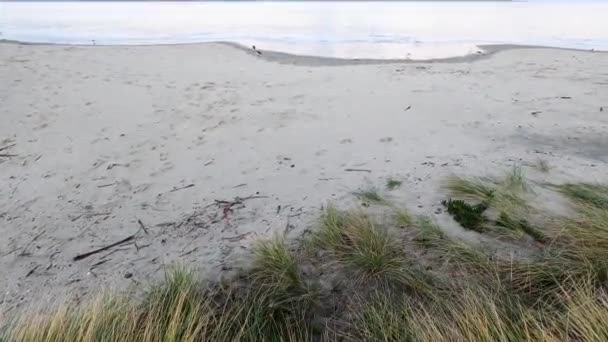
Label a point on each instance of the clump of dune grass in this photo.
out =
(371, 195)
(392, 184)
(504, 196)
(108, 317)
(586, 315)
(585, 239)
(172, 311)
(276, 266)
(429, 233)
(469, 216)
(402, 217)
(274, 303)
(368, 250)
(585, 193)
(515, 180)
(474, 314)
(475, 189)
(520, 225)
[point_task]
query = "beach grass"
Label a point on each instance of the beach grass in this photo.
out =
(364, 280)
(371, 195)
(392, 184)
(402, 217)
(586, 193)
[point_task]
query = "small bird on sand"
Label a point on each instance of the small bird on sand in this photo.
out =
(256, 50)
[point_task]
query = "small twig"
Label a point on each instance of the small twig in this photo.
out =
(138, 247)
(7, 155)
(106, 185)
(188, 252)
(32, 241)
(240, 185)
(73, 281)
(75, 217)
(141, 224)
(248, 198)
(32, 271)
(187, 220)
(7, 146)
(237, 200)
(407, 108)
(99, 263)
(358, 170)
(88, 254)
(51, 260)
(98, 214)
(237, 238)
(183, 187)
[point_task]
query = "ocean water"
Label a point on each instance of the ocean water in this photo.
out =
(415, 30)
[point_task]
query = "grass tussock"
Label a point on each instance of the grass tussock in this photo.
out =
(587, 194)
(467, 292)
(515, 181)
(370, 195)
(507, 197)
(367, 249)
(474, 189)
(469, 216)
(392, 184)
(402, 217)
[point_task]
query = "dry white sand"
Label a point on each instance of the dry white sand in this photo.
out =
(102, 135)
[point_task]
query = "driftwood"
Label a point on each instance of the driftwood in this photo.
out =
(141, 224)
(7, 146)
(32, 271)
(93, 252)
(358, 170)
(183, 187)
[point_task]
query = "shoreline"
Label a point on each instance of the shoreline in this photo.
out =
(310, 60)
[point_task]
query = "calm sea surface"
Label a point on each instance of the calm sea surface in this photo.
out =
(335, 29)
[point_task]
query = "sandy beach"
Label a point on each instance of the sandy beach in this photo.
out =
(100, 144)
